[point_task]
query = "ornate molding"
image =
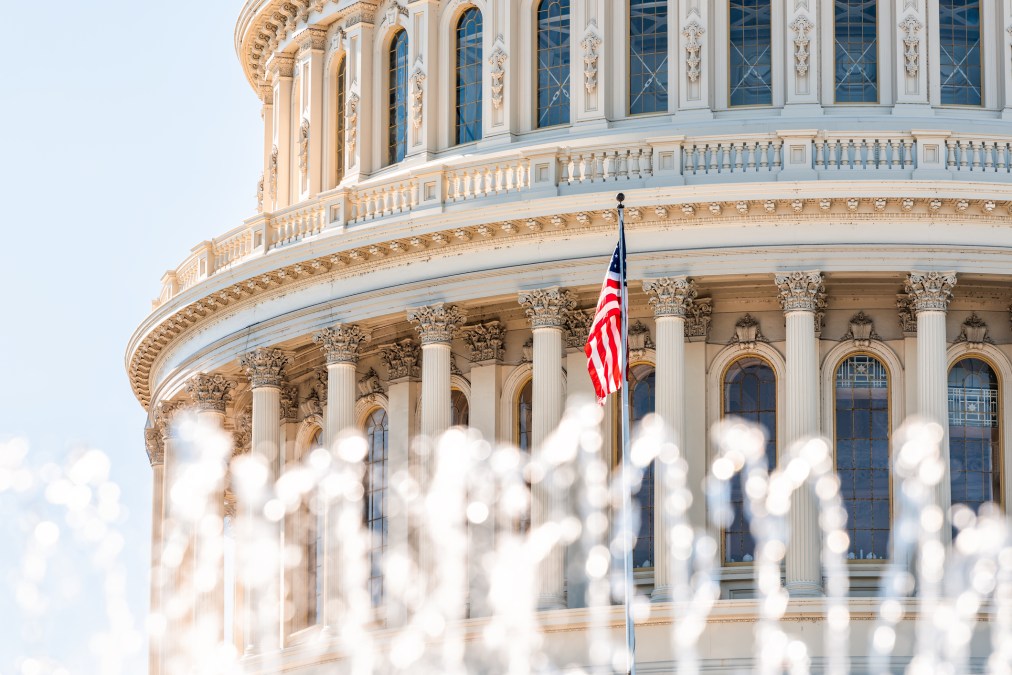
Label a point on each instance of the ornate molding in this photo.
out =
(861, 331)
(697, 323)
(547, 307)
(527, 350)
(264, 367)
(911, 27)
(260, 194)
(273, 167)
(747, 333)
(210, 391)
(974, 332)
(165, 417)
(591, 43)
(485, 341)
(801, 26)
(671, 296)
(304, 148)
(155, 446)
(242, 431)
(639, 340)
(289, 404)
(417, 94)
(906, 315)
(577, 327)
(340, 344)
(351, 123)
(693, 33)
(930, 291)
(437, 323)
(801, 291)
(498, 73)
(401, 359)
(369, 383)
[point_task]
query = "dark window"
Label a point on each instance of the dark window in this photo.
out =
(376, 432)
(974, 443)
(641, 399)
(751, 67)
(469, 76)
(397, 136)
(856, 51)
(553, 63)
(750, 392)
(525, 421)
(341, 94)
(959, 52)
(459, 409)
(648, 56)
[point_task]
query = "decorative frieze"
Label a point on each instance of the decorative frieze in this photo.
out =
(591, 43)
(485, 341)
(340, 344)
(861, 331)
(801, 291)
(747, 333)
(974, 332)
(437, 323)
(547, 307)
(671, 296)
(210, 391)
(930, 291)
(401, 359)
(697, 323)
(264, 367)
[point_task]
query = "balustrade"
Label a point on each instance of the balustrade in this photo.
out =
(852, 152)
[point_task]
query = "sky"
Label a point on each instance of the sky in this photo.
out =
(129, 135)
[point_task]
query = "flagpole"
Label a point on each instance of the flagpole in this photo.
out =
(627, 535)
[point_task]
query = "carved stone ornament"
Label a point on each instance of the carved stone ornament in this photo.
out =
(974, 332)
(747, 333)
(577, 327)
(670, 296)
(498, 72)
(801, 291)
(304, 148)
(692, 34)
(210, 391)
(230, 504)
(274, 172)
(862, 330)
(260, 194)
(485, 340)
(417, 94)
(165, 415)
(351, 123)
(697, 323)
(547, 307)
(390, 17)
(264, 367)
(930, 291)
(155, 446)
(437, 323)
(369, 383)
(289, 404)
(911, 27)
(906, 315)
(401, 359)
(527, 351)
(801, 27)
(340, 344)
(242, 433)
(639, 340)
(591, 43)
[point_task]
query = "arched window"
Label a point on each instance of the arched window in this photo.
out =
(648, 56)
(641, 400)
(340, 127)
(749, 392)
(460, 410)
(524, 428)
(974, 442)
(469, 31)
(397, 110)
(855, 32)
(862, 453)
(374, 516)
(959, 51)
(553, 63)
(750, 59)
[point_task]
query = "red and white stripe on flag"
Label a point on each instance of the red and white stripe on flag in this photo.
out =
(605, 360)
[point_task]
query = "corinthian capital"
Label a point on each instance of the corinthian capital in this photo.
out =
(437, 323)
(801, 291)
(264, 367)
(485, 340)
(155, 446)
(401, 359)
(210, 391)
(341, 342)
(930, 291)
(547, 307)
(671, 296)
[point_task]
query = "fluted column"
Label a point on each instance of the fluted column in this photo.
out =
(929, 294)
(156, 635)
(801, 295)
(265, 369)
(340, 345)
(436, 325)
(175, 555)
(671, 298)
(547, 309)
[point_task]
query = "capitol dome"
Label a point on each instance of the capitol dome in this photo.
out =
(818, 212)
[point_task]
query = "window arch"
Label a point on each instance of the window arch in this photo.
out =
(750, 59)
(339, 129)
(749, 391)
(460, 409)
(377, 432)
(855, 51)
(959, 58)
(974, 433)
(553, 63)
(861, 436)
(642, 399)
(648, 56)
(468, 89)
(397, 104)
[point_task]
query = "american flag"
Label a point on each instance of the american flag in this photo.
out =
(605, 359)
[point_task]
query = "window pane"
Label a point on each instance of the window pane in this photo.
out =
(751, 67)
(469, 29)
(374, 509)
(525, 417)
(553, 63)
(397, 137)
(648, 56)
(459, 409)
(856, 51)
(641, 394)
(862, 442)
(974, 440)
(959, 51)
(341, 79)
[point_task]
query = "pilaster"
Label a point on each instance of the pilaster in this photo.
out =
(281, 152)
(694, 56)
(911, 51)
(802, 55)
(312, 52)
(359, 98)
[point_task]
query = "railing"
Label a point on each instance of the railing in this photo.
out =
(801, 155)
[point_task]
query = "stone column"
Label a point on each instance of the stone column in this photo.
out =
(176, 552)
(547, 309)
(802, 294)
(265, 193)
(929, 294)
(281, 152)
(340, 345)
(671, 299)
(156, 635)
(265, 369)
(210, 393)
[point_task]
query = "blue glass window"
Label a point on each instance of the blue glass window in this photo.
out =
(862, 454)
(750, 392)
(469, 76)
(641, 398)
(648, 56)
(974, 442)
(856, 51)
(377, 432)
(751, 66)
(397, 137)
(553, 63)
(959, 51)
(341, 95)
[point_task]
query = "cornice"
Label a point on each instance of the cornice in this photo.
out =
(198, 305)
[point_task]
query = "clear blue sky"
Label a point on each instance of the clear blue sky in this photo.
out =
(130, 135)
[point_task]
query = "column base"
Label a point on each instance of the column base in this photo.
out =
(661, 594)
(547, 603)
(805, 589)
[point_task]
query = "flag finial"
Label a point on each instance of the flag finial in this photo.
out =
(621, 198)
